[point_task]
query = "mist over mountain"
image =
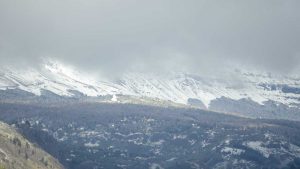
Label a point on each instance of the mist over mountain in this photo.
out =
(110, 37)
(161, 84)
(252, 94)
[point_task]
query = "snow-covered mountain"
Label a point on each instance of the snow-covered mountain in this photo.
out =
(177, 87)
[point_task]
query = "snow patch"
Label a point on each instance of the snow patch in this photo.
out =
(258, 146)
(232, 151)
(91, 145)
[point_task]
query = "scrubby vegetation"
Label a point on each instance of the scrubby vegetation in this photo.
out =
(134, 136)
(16, 152)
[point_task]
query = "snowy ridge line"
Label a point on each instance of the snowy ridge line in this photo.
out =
(176, 87)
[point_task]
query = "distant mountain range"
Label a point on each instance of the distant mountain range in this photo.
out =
(250, 94)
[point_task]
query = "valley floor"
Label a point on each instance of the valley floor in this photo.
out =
(126, 136)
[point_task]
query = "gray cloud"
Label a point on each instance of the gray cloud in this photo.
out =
(113, 36)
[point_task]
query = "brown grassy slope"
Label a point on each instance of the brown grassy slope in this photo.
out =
(18, 153)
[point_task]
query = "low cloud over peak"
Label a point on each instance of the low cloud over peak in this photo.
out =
(113, 36)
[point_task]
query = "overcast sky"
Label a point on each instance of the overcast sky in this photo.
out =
(152, 35)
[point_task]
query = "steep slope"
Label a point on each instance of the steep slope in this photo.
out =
(176, 87)
(18, 153)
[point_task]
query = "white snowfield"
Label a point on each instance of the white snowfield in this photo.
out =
(175, 87)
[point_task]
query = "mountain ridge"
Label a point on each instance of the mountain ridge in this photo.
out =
(177, 87)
